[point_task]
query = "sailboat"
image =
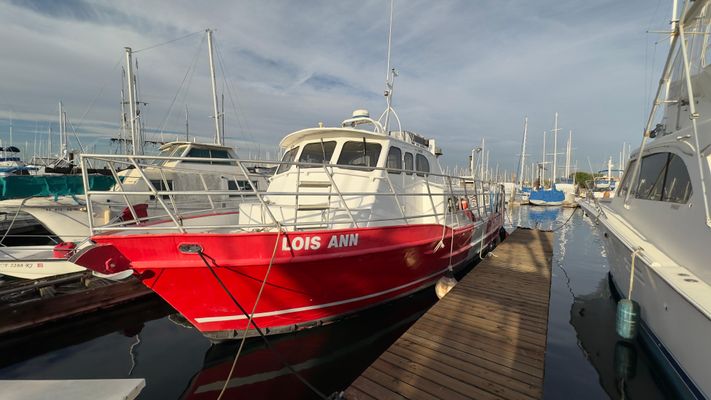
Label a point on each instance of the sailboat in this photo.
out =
(657, 228)
(63, 216)
(551, 196)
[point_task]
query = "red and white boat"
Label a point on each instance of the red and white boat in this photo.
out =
(352, 218)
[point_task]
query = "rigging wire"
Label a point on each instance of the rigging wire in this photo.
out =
(168, 42)
(246, 131)
(189, 72)
(91, 105)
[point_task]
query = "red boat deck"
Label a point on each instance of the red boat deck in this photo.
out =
(485, 340)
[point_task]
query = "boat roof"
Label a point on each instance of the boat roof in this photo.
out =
(295, 137)
(195, 144)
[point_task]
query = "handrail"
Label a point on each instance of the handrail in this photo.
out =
(442, 196)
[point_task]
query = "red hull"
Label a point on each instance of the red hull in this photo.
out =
(315, 276)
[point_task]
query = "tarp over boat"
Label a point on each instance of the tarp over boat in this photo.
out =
(547, 196)
(23, 186)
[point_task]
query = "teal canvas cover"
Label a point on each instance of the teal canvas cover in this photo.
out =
(23, 186)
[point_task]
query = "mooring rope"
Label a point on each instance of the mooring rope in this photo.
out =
(258, 329)
(251, 316)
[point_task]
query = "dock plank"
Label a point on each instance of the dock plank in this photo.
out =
(485, 340)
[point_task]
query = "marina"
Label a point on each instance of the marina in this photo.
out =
(256, 213)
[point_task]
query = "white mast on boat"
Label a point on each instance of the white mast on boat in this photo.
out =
(623, 159)
(568, 152)
(543, 163)
(136, 140)
(216, 116)
(523, 152)
(483, 155)
(555, 150)
(49, 145)
(62, 132)
(10, 127)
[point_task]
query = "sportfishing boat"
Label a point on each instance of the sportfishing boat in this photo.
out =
(351, 219)
(657, 228)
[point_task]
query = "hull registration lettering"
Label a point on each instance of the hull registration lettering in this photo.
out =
(314, 242)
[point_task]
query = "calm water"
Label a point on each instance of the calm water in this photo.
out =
(142, 340)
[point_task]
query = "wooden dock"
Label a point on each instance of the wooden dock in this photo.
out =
(28, 304)
(485, 340)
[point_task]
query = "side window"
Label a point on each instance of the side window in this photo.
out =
(160, 186)
(289, 156)
(677, 185)
(360, 153)
(651, 176)
(409, 162)
(317, 153)
(422, 165)
(628, 177)
(394, 159)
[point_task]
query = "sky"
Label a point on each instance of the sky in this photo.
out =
(467, 70)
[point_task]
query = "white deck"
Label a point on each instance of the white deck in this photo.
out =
(89, 389)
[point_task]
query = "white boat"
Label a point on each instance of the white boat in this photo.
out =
(659, 221)
(199, 166)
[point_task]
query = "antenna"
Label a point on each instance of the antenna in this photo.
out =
(390, 74)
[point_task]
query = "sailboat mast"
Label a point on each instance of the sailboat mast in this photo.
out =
(10, 127)
(543, 162)
(523, 151)
(136, 141)
(218, 133)
(569, 150)
(481, 165)
(555, 150)
(187, 126)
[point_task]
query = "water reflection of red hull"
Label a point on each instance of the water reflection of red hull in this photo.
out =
(328, 357)
(316, 276)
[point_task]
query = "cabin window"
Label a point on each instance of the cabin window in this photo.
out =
(216, 153)
(409, 162)
(360, 153)
(199, 153)
(422, 165)
(394, 160)
(317, 153)
(169, 152)
(628, 177)
(651, 177)
(240, 186)
(677, 184)
(159, 184)
(289, 157)
(208, 153)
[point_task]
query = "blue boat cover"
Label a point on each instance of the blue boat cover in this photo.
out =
(547, 195)
(23, 186)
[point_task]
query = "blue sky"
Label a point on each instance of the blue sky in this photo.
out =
(468, 69)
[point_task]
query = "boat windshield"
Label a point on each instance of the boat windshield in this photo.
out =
(174, 151)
